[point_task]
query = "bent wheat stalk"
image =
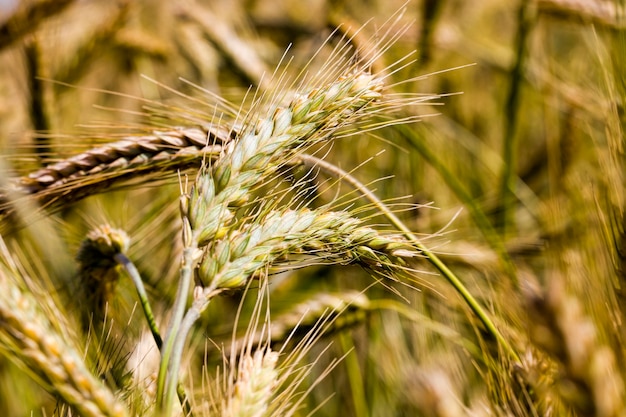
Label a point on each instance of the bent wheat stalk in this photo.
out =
(410, 236)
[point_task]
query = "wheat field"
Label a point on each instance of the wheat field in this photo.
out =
(278, 208)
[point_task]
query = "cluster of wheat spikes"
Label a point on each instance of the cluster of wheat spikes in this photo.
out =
(183, 255)
(230, 235)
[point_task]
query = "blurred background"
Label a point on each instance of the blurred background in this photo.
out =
(520, 162)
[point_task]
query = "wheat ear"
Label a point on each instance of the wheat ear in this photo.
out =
(98, 274)
(257, 245)
(331, 236)
(27, 337)
(256, 379)
(99, 168)
(588, 381)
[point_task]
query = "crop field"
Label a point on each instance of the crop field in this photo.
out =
(312, 208)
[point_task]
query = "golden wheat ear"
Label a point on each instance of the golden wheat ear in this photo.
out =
(28, 338)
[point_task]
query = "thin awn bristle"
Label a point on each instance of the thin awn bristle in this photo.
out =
(336, 310)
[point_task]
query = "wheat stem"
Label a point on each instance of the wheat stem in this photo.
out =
(173, 365)
(132, 272)
(505, 219)
(166, 379)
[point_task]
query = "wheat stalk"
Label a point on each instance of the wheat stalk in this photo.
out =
(28, 337)
(411, 237)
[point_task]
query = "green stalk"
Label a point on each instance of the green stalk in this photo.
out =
(184, 285)
(508, 176)
(193, 314)
(132, 272)
(355, 376)
(187, 323)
